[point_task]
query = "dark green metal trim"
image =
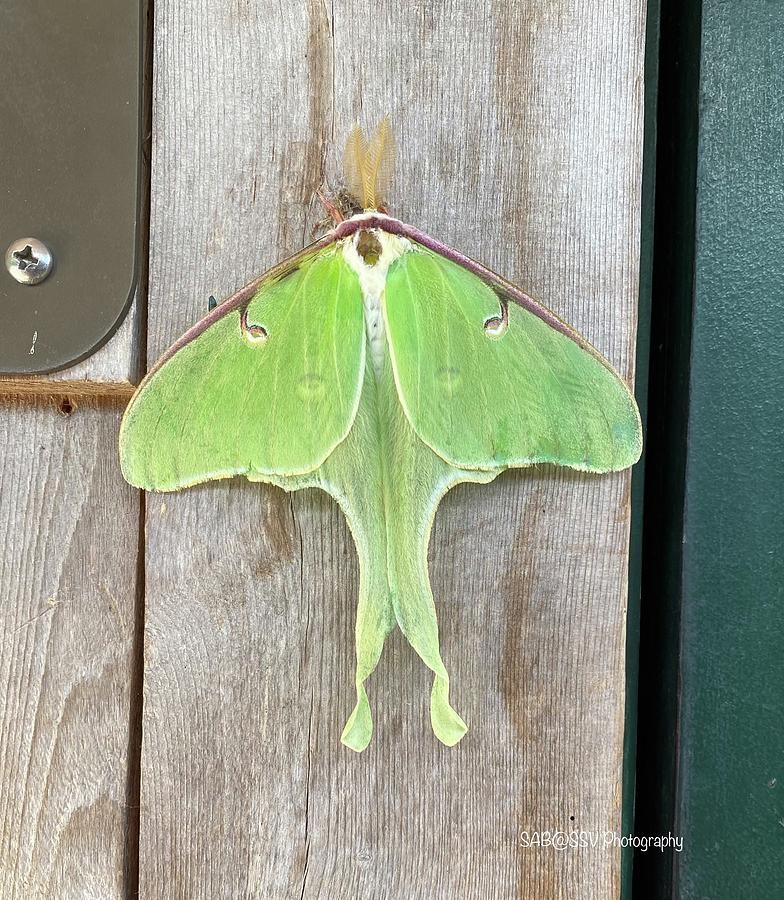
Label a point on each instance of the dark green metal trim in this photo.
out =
(638, 474)
(711, 702)
(730, 776)
(668, 409)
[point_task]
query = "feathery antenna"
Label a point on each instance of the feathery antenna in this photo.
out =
(354, 162)
(369, 167)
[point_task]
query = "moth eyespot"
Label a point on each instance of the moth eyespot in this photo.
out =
(253, 334)
(448, 378)
(311, 387)
(495, 327)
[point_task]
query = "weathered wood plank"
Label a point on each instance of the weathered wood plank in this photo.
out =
(69, 529)
(520, 137)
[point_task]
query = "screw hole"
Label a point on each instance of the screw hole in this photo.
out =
(66, 406)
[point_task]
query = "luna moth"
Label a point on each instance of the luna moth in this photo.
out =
(383, 367)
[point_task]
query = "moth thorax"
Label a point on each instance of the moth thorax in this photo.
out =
(370, 253)
(368, 247)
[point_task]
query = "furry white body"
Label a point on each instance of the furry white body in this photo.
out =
(372, 279)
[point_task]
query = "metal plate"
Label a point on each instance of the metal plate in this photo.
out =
(70, 114)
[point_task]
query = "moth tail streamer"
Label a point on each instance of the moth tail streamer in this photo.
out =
(415, 611)
(394, 589)
(375, 620)
(409, 603)
(416, 616)
(359, 725)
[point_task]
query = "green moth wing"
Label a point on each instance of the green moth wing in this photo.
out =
(488, 384)
(269, 386)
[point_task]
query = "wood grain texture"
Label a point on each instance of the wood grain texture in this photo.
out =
(69, 527)
(520, 133)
